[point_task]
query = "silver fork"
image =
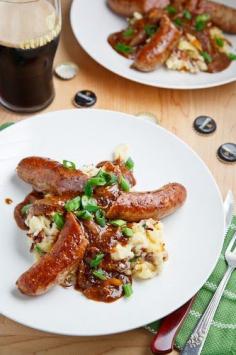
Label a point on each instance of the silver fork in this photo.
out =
(198, 337)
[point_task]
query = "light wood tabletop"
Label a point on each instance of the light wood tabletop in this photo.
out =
(175, 111)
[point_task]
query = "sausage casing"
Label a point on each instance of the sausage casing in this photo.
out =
(158, 49)
(135, 206)
(52, 268)
(128, 7)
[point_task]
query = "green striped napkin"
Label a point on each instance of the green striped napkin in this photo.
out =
(221, 339)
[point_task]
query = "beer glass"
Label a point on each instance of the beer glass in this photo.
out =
(29, 36)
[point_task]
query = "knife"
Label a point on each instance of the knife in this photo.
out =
(163, 342)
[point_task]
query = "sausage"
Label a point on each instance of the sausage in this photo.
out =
(128, 7)
(135, 206)
(49, 176)
(30, 198)
(52, 268)
(156, 52)
(221, 15)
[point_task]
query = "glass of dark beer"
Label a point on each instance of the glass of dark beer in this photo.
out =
(29, 36)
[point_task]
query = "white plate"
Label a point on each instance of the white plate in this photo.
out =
(92, 22)
(194, 234)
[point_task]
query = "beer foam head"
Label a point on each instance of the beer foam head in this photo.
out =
(27, 23)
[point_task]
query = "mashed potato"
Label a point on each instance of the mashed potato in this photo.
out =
(41, 225)
(145, 250)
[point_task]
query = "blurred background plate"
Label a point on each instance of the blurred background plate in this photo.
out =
(92, 22)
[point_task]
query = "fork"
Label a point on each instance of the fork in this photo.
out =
(198, 337)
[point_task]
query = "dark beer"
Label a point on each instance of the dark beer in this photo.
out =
(26, 83)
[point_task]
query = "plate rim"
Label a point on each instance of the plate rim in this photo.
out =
(196, 289)
(136, 80)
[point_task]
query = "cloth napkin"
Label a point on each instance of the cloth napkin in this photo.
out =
(221, 338)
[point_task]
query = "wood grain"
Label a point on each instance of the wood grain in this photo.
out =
(176, 111)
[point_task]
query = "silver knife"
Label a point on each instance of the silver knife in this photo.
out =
(195, 343)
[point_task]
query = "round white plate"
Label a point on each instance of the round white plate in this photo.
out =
(92, 22)
(194, 234)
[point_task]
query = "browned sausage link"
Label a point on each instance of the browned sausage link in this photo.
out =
(19, 217)
(156, 52)
(52, 268)
(49, 176)
(128, 7)
(135, 206)
(221, 15)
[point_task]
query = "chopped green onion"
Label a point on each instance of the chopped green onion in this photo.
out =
(69, 164)
(203, 17)
(59, 220)
(100, 274)
(178, 21)
(124, 184)
(128, 290)
(187, 14)
(97, 260)
(171, 10)
(25, 209)
(150, 29)
(118, 223)
(88, 189)
(207, 57)
(219, 41)
(232, 56)
(100, 218)
(39, 250)
(129, 32)
(129, 164)
(90, 205)
(124, 48)
(86, 215)
(128, 232)
(201, 20)
(73, 205)
(109, 177)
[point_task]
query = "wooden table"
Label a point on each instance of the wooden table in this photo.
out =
(175, 110)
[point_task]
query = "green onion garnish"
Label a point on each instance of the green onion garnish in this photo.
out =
(118, 223)
(128, 290)
(25, 209)
(128, 33)
(91, 183)
(86, 215)
(124, 48)
(91, 205)
(100, 274)
(178, 21)
(129, 164)
(124, 184)
(128, 232)
(187, 14)
(59, 220)
(97, 260)
(150, 29)
(171, 10)
(219, 41)
(73, 205)
(201, 20)
(5, 125)
(88, 189)
(207, 57)
(232, 56)
(110, 178)
(100, 218)
(69, 164)
(39, 250)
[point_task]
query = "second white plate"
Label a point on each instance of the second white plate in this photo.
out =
(92, 22)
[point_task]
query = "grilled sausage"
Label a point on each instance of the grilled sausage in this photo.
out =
(221, 15)
(135, 206)
(52, 268)
(156, 52)
(49, 176)
(128, 7)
